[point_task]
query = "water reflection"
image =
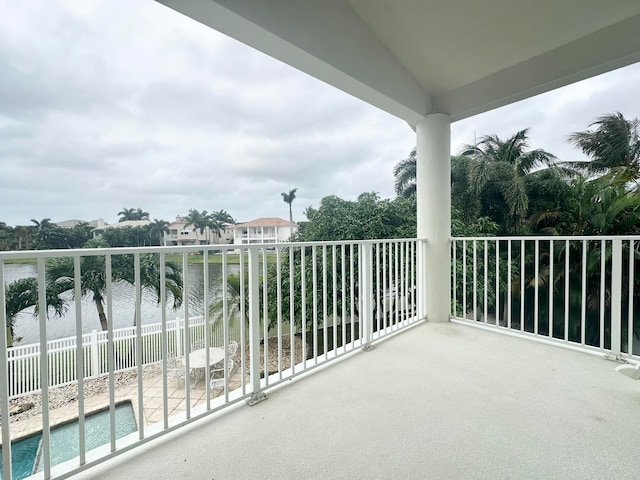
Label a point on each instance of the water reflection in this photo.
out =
(123, 304)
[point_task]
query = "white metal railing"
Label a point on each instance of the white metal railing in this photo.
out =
(577, 291)
(300, 305)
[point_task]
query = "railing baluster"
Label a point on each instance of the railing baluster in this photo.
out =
(279, 307)
(314, 273)
(7, 467)
(292, 322)
(325, 340)
(567, 254)
(454, 268)
(464, 279)
(303, 313)
(497, 282)
(138, 343)
(254, 327)
(630, 328)
(550, 288)
(616, 296)
(583, 305)
(77, 295)
(485, 283)
(334, 299)
(536, 309)
(343, 272)
(265, 317)
(509, 294)
(187, 336)
(475, 281)
(603, 247)
(523, 279)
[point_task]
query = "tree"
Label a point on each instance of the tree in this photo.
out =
(60, 276)
(157, 229)
(47, 234)
(405, 175)
(22, 294)
(223, 216)
(289, 198)
(614, 146)
(236, 301)
(497, 174)
(199, 221)
(132, 214)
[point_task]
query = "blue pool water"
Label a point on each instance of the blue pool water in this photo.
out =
(65, 440)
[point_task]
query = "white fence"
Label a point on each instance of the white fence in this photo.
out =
(23, 362)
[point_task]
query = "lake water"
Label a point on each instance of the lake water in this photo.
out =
(27, 326)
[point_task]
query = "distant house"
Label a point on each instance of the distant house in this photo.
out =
(72, 223)
(127, 223)
(182, 233)
(263, 230)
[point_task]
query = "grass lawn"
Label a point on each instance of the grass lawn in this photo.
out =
(232, 258)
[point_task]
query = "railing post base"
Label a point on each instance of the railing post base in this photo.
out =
(256, 398)
(368, 347)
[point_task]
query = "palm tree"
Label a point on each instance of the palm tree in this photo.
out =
(498, 170)
(199, 221)
(289, 198)
(157, 229)
(22, 294)
(132, 214)
(235, 300)
(44, 232)
(405, 175)
(223, 216)
(60, 276)
(614, 146)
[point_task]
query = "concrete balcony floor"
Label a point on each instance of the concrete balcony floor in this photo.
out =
(436, 401)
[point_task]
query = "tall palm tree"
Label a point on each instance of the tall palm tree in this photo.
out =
(157, 229)
(60, 276)
(405, 175)
(22, 294)
(199, 221)
(289, 198)
(132, 214)
(499, 168)
(235, 300)
(614, 146)
(45, 231)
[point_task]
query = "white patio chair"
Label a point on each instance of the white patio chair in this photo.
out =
(175, 369)
(218, 375)
(197, 345)
(232, 348)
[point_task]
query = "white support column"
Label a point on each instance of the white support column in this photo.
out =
(433, 179)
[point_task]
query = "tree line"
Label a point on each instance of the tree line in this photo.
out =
(46, 235)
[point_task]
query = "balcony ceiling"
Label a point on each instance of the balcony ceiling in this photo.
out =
(416, 57)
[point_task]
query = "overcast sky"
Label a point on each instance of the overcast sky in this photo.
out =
(125, 103)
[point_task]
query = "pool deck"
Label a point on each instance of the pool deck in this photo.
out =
(152, 400)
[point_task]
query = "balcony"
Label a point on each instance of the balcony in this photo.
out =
(440, 400)
(429, 390)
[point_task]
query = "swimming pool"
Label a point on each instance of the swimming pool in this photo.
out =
(25, 453)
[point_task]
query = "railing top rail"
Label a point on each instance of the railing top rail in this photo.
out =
(550, 237)
(177, 249)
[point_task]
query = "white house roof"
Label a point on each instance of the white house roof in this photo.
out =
(412, 58)
(264, 222)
